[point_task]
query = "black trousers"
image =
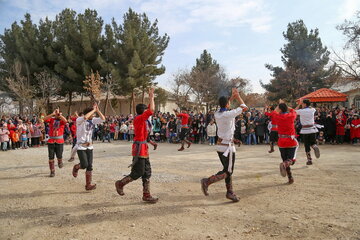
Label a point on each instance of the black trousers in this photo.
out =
(183, 134)
(55, 149)
(141, 168)
(309, 140)
(274, 136)
(225, 162)
(287, 153)
(35, 141)
(86, 159)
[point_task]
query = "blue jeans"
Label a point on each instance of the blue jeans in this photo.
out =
(4, 146)
(212, 140)
(251, 138)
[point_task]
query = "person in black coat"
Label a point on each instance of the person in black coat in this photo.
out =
(330, 127)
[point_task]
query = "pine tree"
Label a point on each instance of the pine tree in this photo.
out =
(138, 52)
(76, 49)
(305, 62)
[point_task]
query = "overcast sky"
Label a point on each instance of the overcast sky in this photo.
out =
(242, 35)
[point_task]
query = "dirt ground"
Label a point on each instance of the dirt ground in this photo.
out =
(323, 203)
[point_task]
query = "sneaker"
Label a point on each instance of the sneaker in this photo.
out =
(309, 162)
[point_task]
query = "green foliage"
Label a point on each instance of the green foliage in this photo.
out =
(205, 83)
(73, 45)
(305, 62)
(161, 96)
(137, 52)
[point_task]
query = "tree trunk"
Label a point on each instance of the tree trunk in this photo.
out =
(48, 107)
(106, 102)
(131, 102)
(81, 101)
(70, 103)
(143, 96)
(21, 107)
(119, 101)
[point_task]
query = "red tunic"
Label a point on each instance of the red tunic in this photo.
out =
(286, 126)
(56, 129)
(184, 119)
(355, 131)
(73, 127)
(340, 126)
(274, 122)
(141, 133)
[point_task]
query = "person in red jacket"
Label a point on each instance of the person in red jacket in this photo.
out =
(140, 166)
(56, 123)
(355, 129)
(270, 112)
(340, 127)
(184, 128)
(288, 145)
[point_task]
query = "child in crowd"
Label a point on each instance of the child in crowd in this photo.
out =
(321, 138)
(4, 137)
(211, 132)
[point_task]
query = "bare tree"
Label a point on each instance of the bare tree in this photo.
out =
(49, 85)
(350, 64)
(92, 84)
(21, 87)
(109, 86)
(181, 90)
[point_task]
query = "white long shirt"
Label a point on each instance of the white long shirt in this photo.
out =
(226, 126)
(84, 131)
(307, 118)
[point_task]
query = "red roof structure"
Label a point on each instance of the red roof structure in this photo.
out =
(325, 95)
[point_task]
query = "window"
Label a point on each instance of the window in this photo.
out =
(357, 102)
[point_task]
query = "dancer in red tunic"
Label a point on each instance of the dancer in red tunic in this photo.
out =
(140, 166)
(287, 142)
(184, 128)
(270, 112)
(56, 123)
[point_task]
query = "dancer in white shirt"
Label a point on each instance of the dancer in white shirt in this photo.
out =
(225, 120)
(84, 131)
(308, 129)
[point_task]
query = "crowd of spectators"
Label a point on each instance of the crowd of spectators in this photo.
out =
(339, 125)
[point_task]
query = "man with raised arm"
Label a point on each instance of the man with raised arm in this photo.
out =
(140, 166)
(287, 142)
(84, 131)
(184, 127)
(225, 120)
(55, 143)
